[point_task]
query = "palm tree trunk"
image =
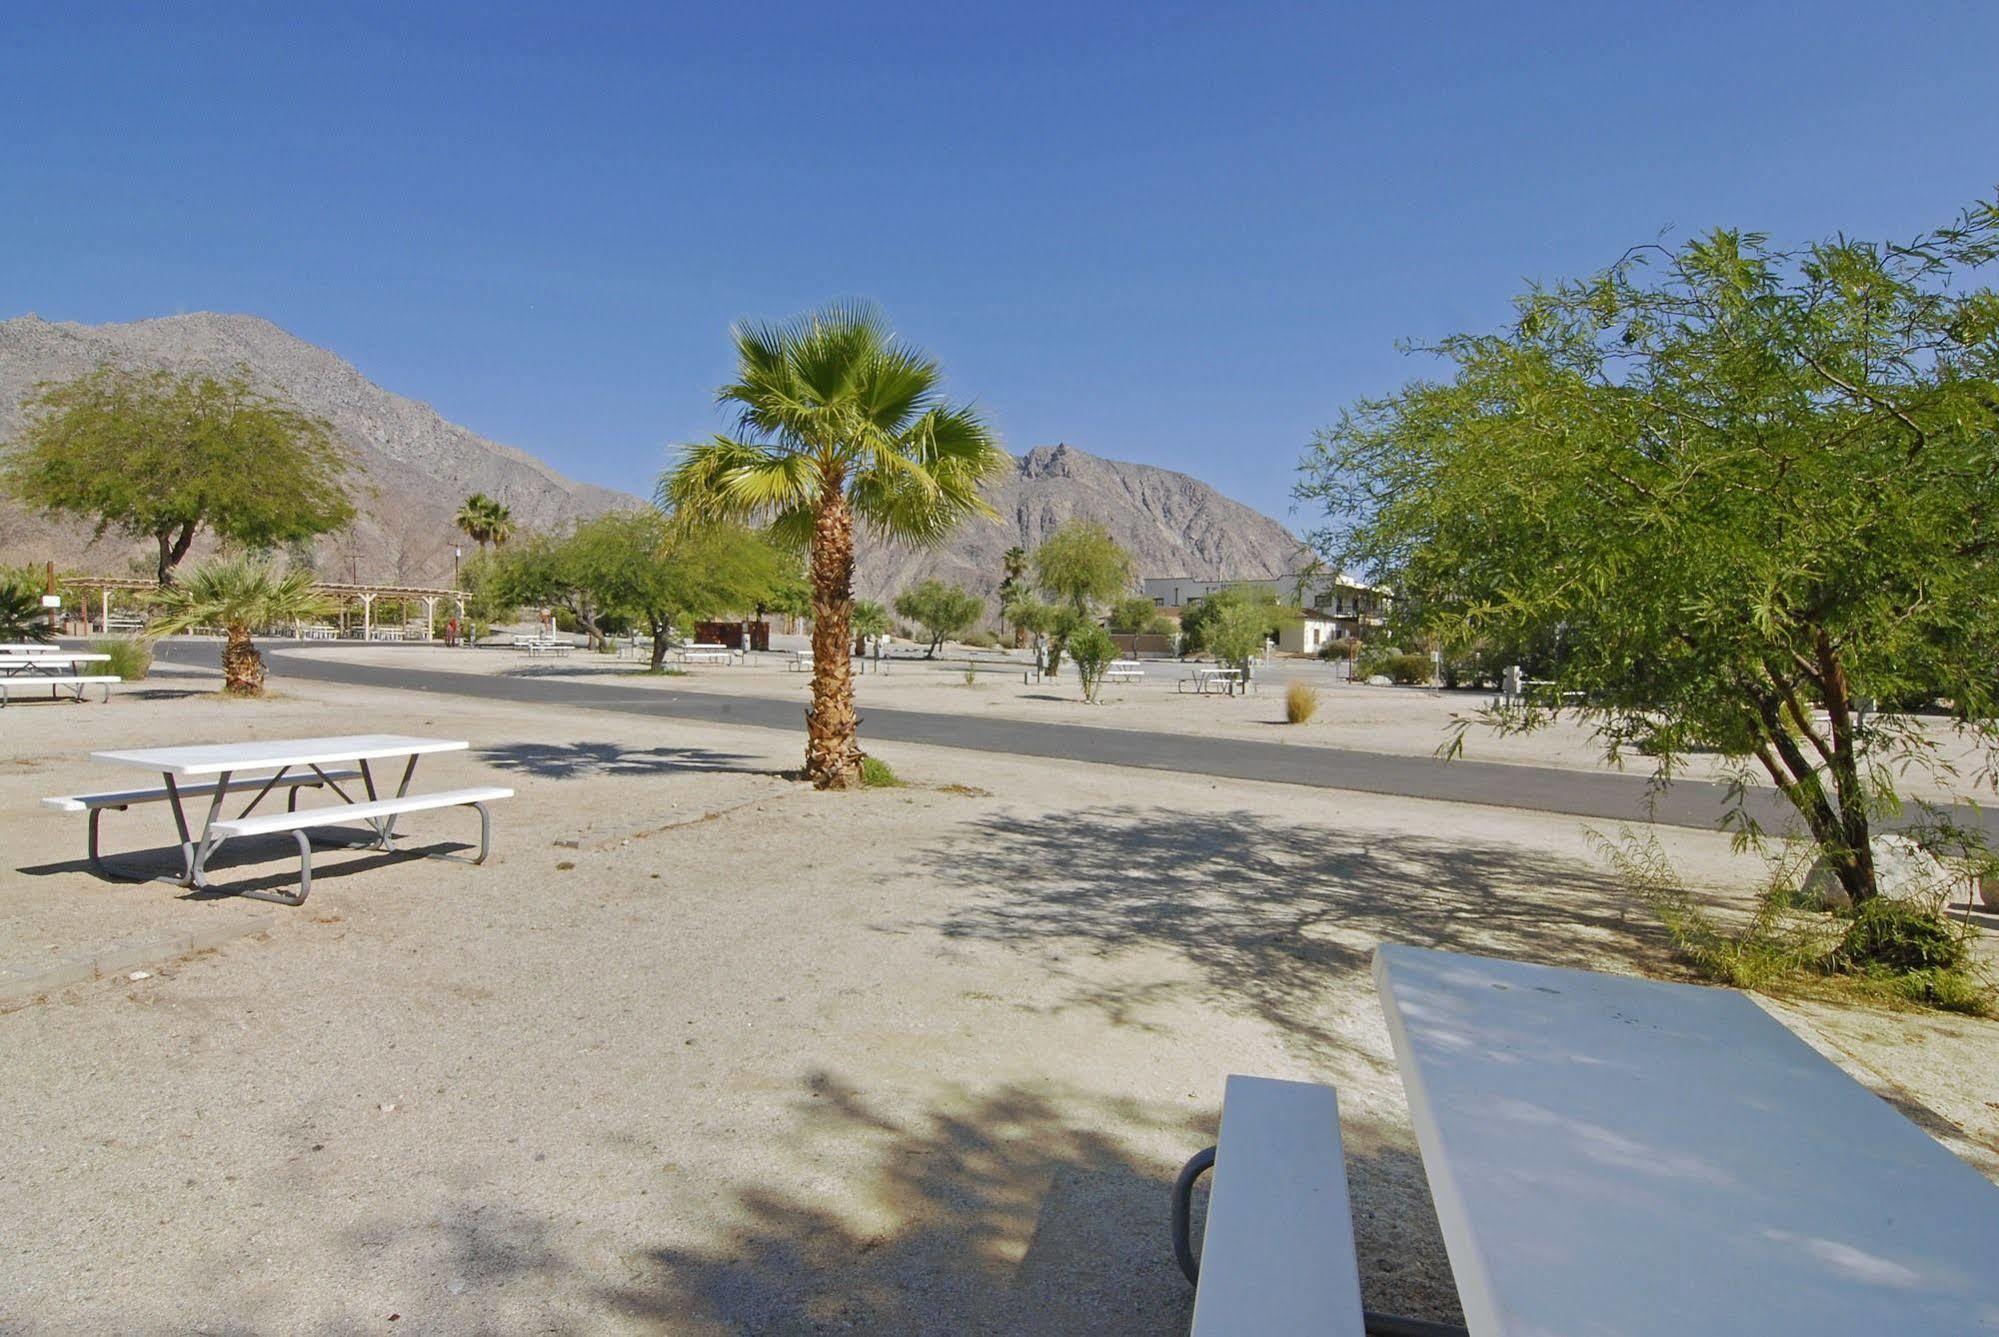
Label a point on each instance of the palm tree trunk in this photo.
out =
(832, 744)
(242, 666)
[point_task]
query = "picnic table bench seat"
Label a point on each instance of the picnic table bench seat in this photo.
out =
(75, 683)
(1277, 1254)
(1124, 670)
(380, 814)
(118, 800)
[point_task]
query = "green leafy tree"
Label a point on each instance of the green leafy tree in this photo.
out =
(165, 455)
(838, 421)
(1252, 612)
(1093, 651)
(941, 610)
(639, 566)
(242, 595)
(1132, 614)
(1080, 564)
(1747, 488)
(1031, 616)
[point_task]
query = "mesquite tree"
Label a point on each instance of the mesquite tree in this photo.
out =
(1746, 490)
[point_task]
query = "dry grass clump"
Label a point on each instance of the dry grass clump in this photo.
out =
(1301, 702)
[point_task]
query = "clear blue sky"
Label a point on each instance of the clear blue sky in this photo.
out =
(1183, 235)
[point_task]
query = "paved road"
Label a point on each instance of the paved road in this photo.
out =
(1602, 795)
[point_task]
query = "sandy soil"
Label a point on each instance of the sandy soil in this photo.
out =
(701, 1050)
(1398, 720)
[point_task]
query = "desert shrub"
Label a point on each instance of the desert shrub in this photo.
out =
(1161, 625)
(1301, 702)
(1899, 937)
(1408, 670)
(981, 639)
(1885, 950)
(131, 658)
(876, 774)
(1092, 650)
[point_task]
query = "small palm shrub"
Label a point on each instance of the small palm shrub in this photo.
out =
(131, 658)
(22, 617)
(1301, 702)
(238, 594)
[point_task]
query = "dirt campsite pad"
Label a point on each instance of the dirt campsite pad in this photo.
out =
(702, 1050)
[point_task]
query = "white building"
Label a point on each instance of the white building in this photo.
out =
(1335, 606)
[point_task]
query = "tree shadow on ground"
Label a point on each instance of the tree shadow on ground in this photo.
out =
(1272, 914)
(1014, 1210)
(580, 761)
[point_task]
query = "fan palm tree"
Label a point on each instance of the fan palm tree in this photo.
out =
(240, 596)
(22, 617)
(1013, 565)
(484, 521)
(499, 524)
(837, 421)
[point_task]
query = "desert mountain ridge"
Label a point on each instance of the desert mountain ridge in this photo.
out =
(414, 468)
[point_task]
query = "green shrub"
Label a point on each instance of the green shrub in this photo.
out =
(131, 658)
(1900, 938)
(981, 638)
(1162, 625)
(1092, 650)
(1886, 951)
(875, 774)
(1408, 670)
(1301, 702)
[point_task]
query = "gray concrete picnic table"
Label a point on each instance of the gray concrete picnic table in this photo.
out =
(271, 760)
(1618, 1157)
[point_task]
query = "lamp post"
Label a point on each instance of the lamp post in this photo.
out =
(456, 553)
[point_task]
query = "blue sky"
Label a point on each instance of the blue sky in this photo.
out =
(1180, 234)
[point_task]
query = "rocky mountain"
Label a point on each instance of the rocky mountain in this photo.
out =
(416, 468)
(1174, 524)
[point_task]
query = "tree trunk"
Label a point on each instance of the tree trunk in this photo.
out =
(832, 743)
(1845, 766)
(242, 666)
(173, 547)
(659, 629)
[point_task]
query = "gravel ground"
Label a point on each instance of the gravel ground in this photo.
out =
(704, 1051)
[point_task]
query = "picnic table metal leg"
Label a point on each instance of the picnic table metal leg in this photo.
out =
(389, 825)
(199, 857)
(180, 825)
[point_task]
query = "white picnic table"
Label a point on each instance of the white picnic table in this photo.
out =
(217, 763)
(28, 664)
(701, 652)
(54, 668)
(1621, 1156)
(1206, 680)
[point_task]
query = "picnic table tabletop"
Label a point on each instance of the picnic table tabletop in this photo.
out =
(52, 659)
(215, 758)
(1622, 1156)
